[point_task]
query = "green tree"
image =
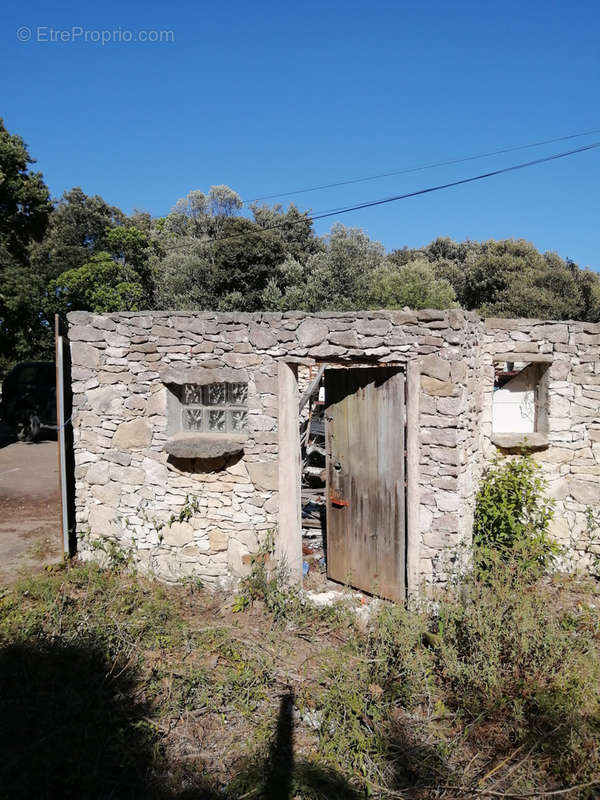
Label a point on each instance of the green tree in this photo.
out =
(414, 285)
(243, 260)
(130, 245)
(338, 277)
(24, 199)
(78, 229)
(207, 257)
(100, 285)
(511, 278)
(294, 227)
(24, 211)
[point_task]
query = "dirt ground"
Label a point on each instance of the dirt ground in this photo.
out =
(30, 534)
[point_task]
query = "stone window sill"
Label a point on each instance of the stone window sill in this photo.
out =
(205, 445)
(520, 441)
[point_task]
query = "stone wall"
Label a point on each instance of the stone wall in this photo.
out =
(571, 459)
(191, 517)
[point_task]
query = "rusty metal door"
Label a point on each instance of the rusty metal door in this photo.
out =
(364, 427)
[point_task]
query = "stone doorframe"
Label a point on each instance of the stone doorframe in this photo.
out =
(288, 547)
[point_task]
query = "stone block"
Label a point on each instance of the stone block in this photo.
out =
(553, 333)
(327, 351)
(559, 529)
(264, 474)
(102, 521)
(106, 399)
(236, 558)
(585, 493)
(157, 473)
(431, 315)
(377, 352)
(447, 522)
(436, 541)
(205, 445)
(373, 327)
(132, 476)
(587, 338)
(344, 338)
(437, 387)
(425, 517)
(85, 333)
(84, 355)
(311, 332)
(452, 406)
(136, 402)
(555, 455)
(435, 367)
(447, 501)
(502, 324)
(241, 360)
(261, 338)
(238, 469)
(447, 437)
(133, 435)
(157, 403)
(178, 534)
(98, 473)
(218, 540)
(559, 406)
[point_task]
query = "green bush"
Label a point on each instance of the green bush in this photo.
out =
(493, 688)
(268, 582)
(384, 668)
(512, 516)
(513, 662)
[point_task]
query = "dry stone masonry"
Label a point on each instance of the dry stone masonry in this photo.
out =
(195, 498)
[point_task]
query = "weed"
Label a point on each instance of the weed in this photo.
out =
(175, 695)
(41, 549)
(593, 533)
(508, 658)
(190, 507)
(268, 581)
(512, 516)
(114, 554)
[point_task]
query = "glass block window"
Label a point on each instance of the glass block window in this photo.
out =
(215, 408)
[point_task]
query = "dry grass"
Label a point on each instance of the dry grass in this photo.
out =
(115, 686)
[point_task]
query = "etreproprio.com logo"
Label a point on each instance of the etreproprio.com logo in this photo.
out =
(77, 34)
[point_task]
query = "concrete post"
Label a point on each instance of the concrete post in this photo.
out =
(288, 544)
(413, 532)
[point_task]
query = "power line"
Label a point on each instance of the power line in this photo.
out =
(394, 198)
(440, 186)
(422, 167)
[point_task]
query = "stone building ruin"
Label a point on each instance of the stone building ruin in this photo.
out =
(187, 445)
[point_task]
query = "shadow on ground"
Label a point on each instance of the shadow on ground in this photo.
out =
(7, 435)
(73, 726)
(70, 725)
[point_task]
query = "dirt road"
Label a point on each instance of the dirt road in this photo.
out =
(29, 506)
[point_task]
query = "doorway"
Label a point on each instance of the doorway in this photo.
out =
(365, 421)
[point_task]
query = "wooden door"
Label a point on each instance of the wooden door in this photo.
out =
(364, 427)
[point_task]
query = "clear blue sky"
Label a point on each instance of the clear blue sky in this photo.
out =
(267, 97)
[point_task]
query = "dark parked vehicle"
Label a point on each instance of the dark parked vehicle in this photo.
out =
(29, 398)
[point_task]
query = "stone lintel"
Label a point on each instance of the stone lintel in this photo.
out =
(204, 445)
(520, 441)
(538, 358)
(201, 376)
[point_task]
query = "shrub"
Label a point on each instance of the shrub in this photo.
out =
(268, 582)
(512, 661)
(512, 516)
